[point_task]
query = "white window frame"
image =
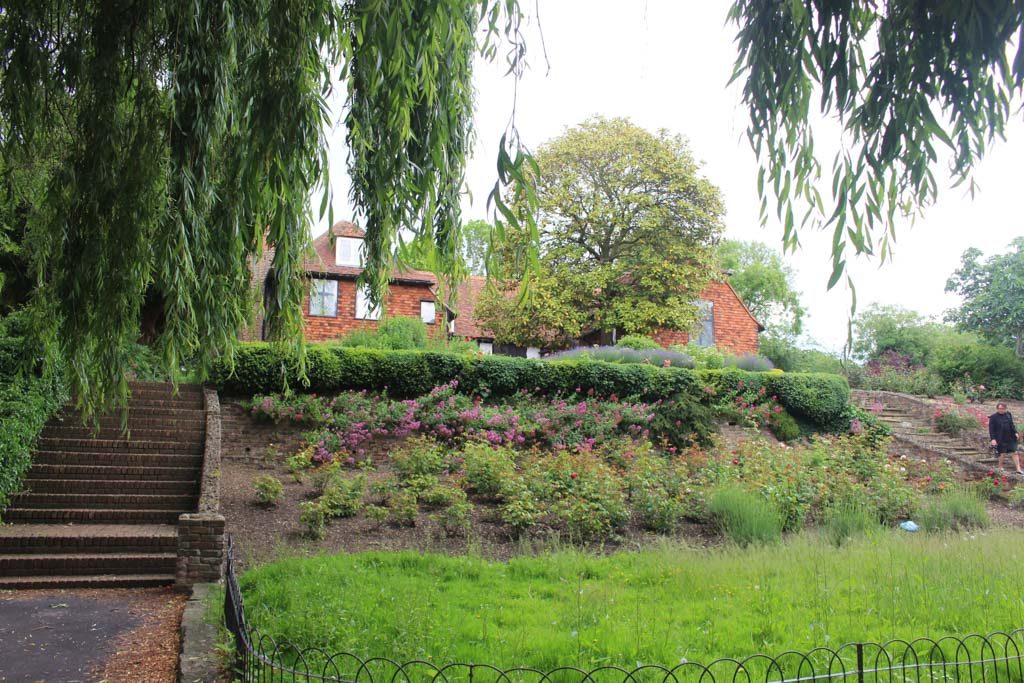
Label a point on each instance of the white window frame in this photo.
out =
(487, 348)
(532, 352)
(363, 310)
(432, 318)
(348, 251)
(706, 336)
(323, 298)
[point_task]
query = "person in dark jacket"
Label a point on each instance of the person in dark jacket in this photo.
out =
(1004, 435)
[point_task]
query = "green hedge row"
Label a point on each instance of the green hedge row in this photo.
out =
(263, 368)
(27, 401)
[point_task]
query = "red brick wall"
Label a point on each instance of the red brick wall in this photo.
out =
(403, 299)
(735, 329)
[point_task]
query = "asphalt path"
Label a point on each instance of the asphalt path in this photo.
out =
(58, 637)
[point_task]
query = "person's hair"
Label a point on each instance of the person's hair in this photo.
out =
(1001, 404)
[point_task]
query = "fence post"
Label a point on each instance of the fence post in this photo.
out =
(860, 662)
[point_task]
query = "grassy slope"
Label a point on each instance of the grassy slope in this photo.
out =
(652, 607)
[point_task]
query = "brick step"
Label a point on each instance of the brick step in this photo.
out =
(119, 446)
(74, 564)
(142, 486)
(93, 581)
(91, 516)
(88, 538)
(111, 472)
(120, 459)
(103, 501)
(145, 411)
(192, 433)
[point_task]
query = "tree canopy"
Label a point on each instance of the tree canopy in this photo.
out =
(627, 225)
(764, 283)
(993, 293)
(149, 151)
(910, 82)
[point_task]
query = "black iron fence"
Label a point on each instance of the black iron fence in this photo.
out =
(995, 658)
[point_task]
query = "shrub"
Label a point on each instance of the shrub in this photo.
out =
(786, 356)
(402, 509)
(953, 423)
(744, 517)
(521, 510)
(418, 456)
(488, 469)
(638, 342)
(441, 496)
(395, 333)
(324, 475)
(343, 497)
(848, 517)
(704, 357)
(1016, 497)
(957, 508)
(314, 519)
(453, 520)
(749, 362)
(783, 426)
(260, 367)
(657, 356)
(28, 398)
(683, 422)
(997, 367)
(269, 490)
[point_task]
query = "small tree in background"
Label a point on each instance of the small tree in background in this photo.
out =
(993, 293)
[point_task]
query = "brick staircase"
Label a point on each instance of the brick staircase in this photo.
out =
(101, 509)
(906, 419)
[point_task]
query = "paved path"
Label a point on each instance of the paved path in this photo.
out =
(59, 637)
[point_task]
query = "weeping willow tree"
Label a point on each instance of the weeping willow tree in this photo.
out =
(911, 82)
(149, 151)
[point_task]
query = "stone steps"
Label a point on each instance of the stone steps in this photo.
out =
(105, 501)
(64, 581)
(188, 487)
(88, 538)
(75, 564)
(91, 516)
(113, 473)
(102, 500)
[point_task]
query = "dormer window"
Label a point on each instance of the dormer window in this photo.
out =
(347, 251)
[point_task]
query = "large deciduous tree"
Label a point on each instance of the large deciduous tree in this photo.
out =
(626, 224)
(993, 296)
(764, 283)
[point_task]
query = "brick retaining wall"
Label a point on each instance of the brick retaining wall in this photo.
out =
(246, 440)
(201, 534)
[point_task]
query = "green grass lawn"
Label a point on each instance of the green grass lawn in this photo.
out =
(659, 606)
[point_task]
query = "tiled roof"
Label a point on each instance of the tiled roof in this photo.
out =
(324, 261)
(465, 323)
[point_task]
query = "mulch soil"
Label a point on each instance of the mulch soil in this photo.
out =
(94, 635)
(264, 534)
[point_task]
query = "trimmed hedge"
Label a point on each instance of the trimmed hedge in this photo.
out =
(27, 401)
(262, 368)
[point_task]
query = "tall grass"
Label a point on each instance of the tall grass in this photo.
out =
(848, 518)
(657, 606)
(745, 517)
(957, 508)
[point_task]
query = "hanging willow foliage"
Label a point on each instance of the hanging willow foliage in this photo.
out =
(905, 79)
(153, 150)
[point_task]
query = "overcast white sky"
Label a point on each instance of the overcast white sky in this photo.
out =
(665, 64)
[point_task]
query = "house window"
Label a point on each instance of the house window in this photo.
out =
(428, 312)
(323, 298)
(486, 348)
(532, 352)
(707, 325)
(363, 309)
(346, 251)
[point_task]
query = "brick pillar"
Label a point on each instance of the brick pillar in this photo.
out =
(200, 548)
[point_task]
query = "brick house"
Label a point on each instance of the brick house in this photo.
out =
(728, 324)
(334, 305)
